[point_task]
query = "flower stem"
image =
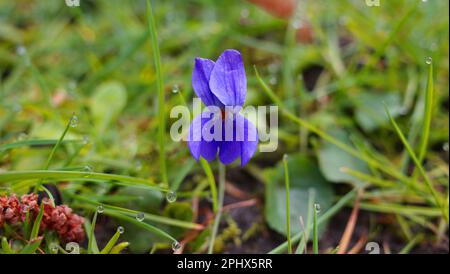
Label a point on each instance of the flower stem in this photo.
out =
(288, 204)
(221, 195)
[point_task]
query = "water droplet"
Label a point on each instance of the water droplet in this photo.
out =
(273, 81)
(85, 140)
(74, 121)
(22, 136)
(120, 229)
(317, 207)
(296, 24)
(89, 170)
(140, 216)
(244, 13)
(72, 85)
(100, 209)
(21, 50)
(176, 245)
(403, 110)
(428, 60)
(175, 88)
(171, 197)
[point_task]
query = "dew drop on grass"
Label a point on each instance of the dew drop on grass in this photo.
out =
(317, 208)
(140, 216)
(175, 88)
(85, 140)
(244, 13)
(89, 170)
(428, 60)
(21, 50)
(120, 229)
(74, 121)
(171, 197)
(176, 245)
(273, 81)
(100, 209)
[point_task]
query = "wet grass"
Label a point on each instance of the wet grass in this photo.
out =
(362, 94)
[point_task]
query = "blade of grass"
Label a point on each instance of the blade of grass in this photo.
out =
(212, 182)
(304, 241)
(427, 115)
(218, 217)
(37, 223)
(91, 239)
(34, 143)
(327, 215)
(411, 244)
(288, 204)
(13, 176)
(137, 223)
(160, 87)
(147, 216)
(381, 166)
(55, 147)
(118, 248)
(111, 243)
(5, 247)
(400, 209)
(418, 164)
(31, 247)
(315, 231)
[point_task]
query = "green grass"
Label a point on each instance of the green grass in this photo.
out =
(360, 89)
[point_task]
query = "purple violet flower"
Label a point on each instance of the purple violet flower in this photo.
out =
(222, 86)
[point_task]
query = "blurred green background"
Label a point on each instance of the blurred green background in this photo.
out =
(332, 63)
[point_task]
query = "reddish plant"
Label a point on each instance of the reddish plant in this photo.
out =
(61, 219)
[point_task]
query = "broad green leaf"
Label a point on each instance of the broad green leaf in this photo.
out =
(332, 160)
(304, 177)
(31, 247)
(370, 112)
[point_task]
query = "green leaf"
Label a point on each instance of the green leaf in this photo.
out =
(332, 160)
(118, 248)
(37, 223)
(110, 245)
(107, 103)
(5, 247)
(92, 242)
(304, 177)
(370, 115)
(31, 247)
